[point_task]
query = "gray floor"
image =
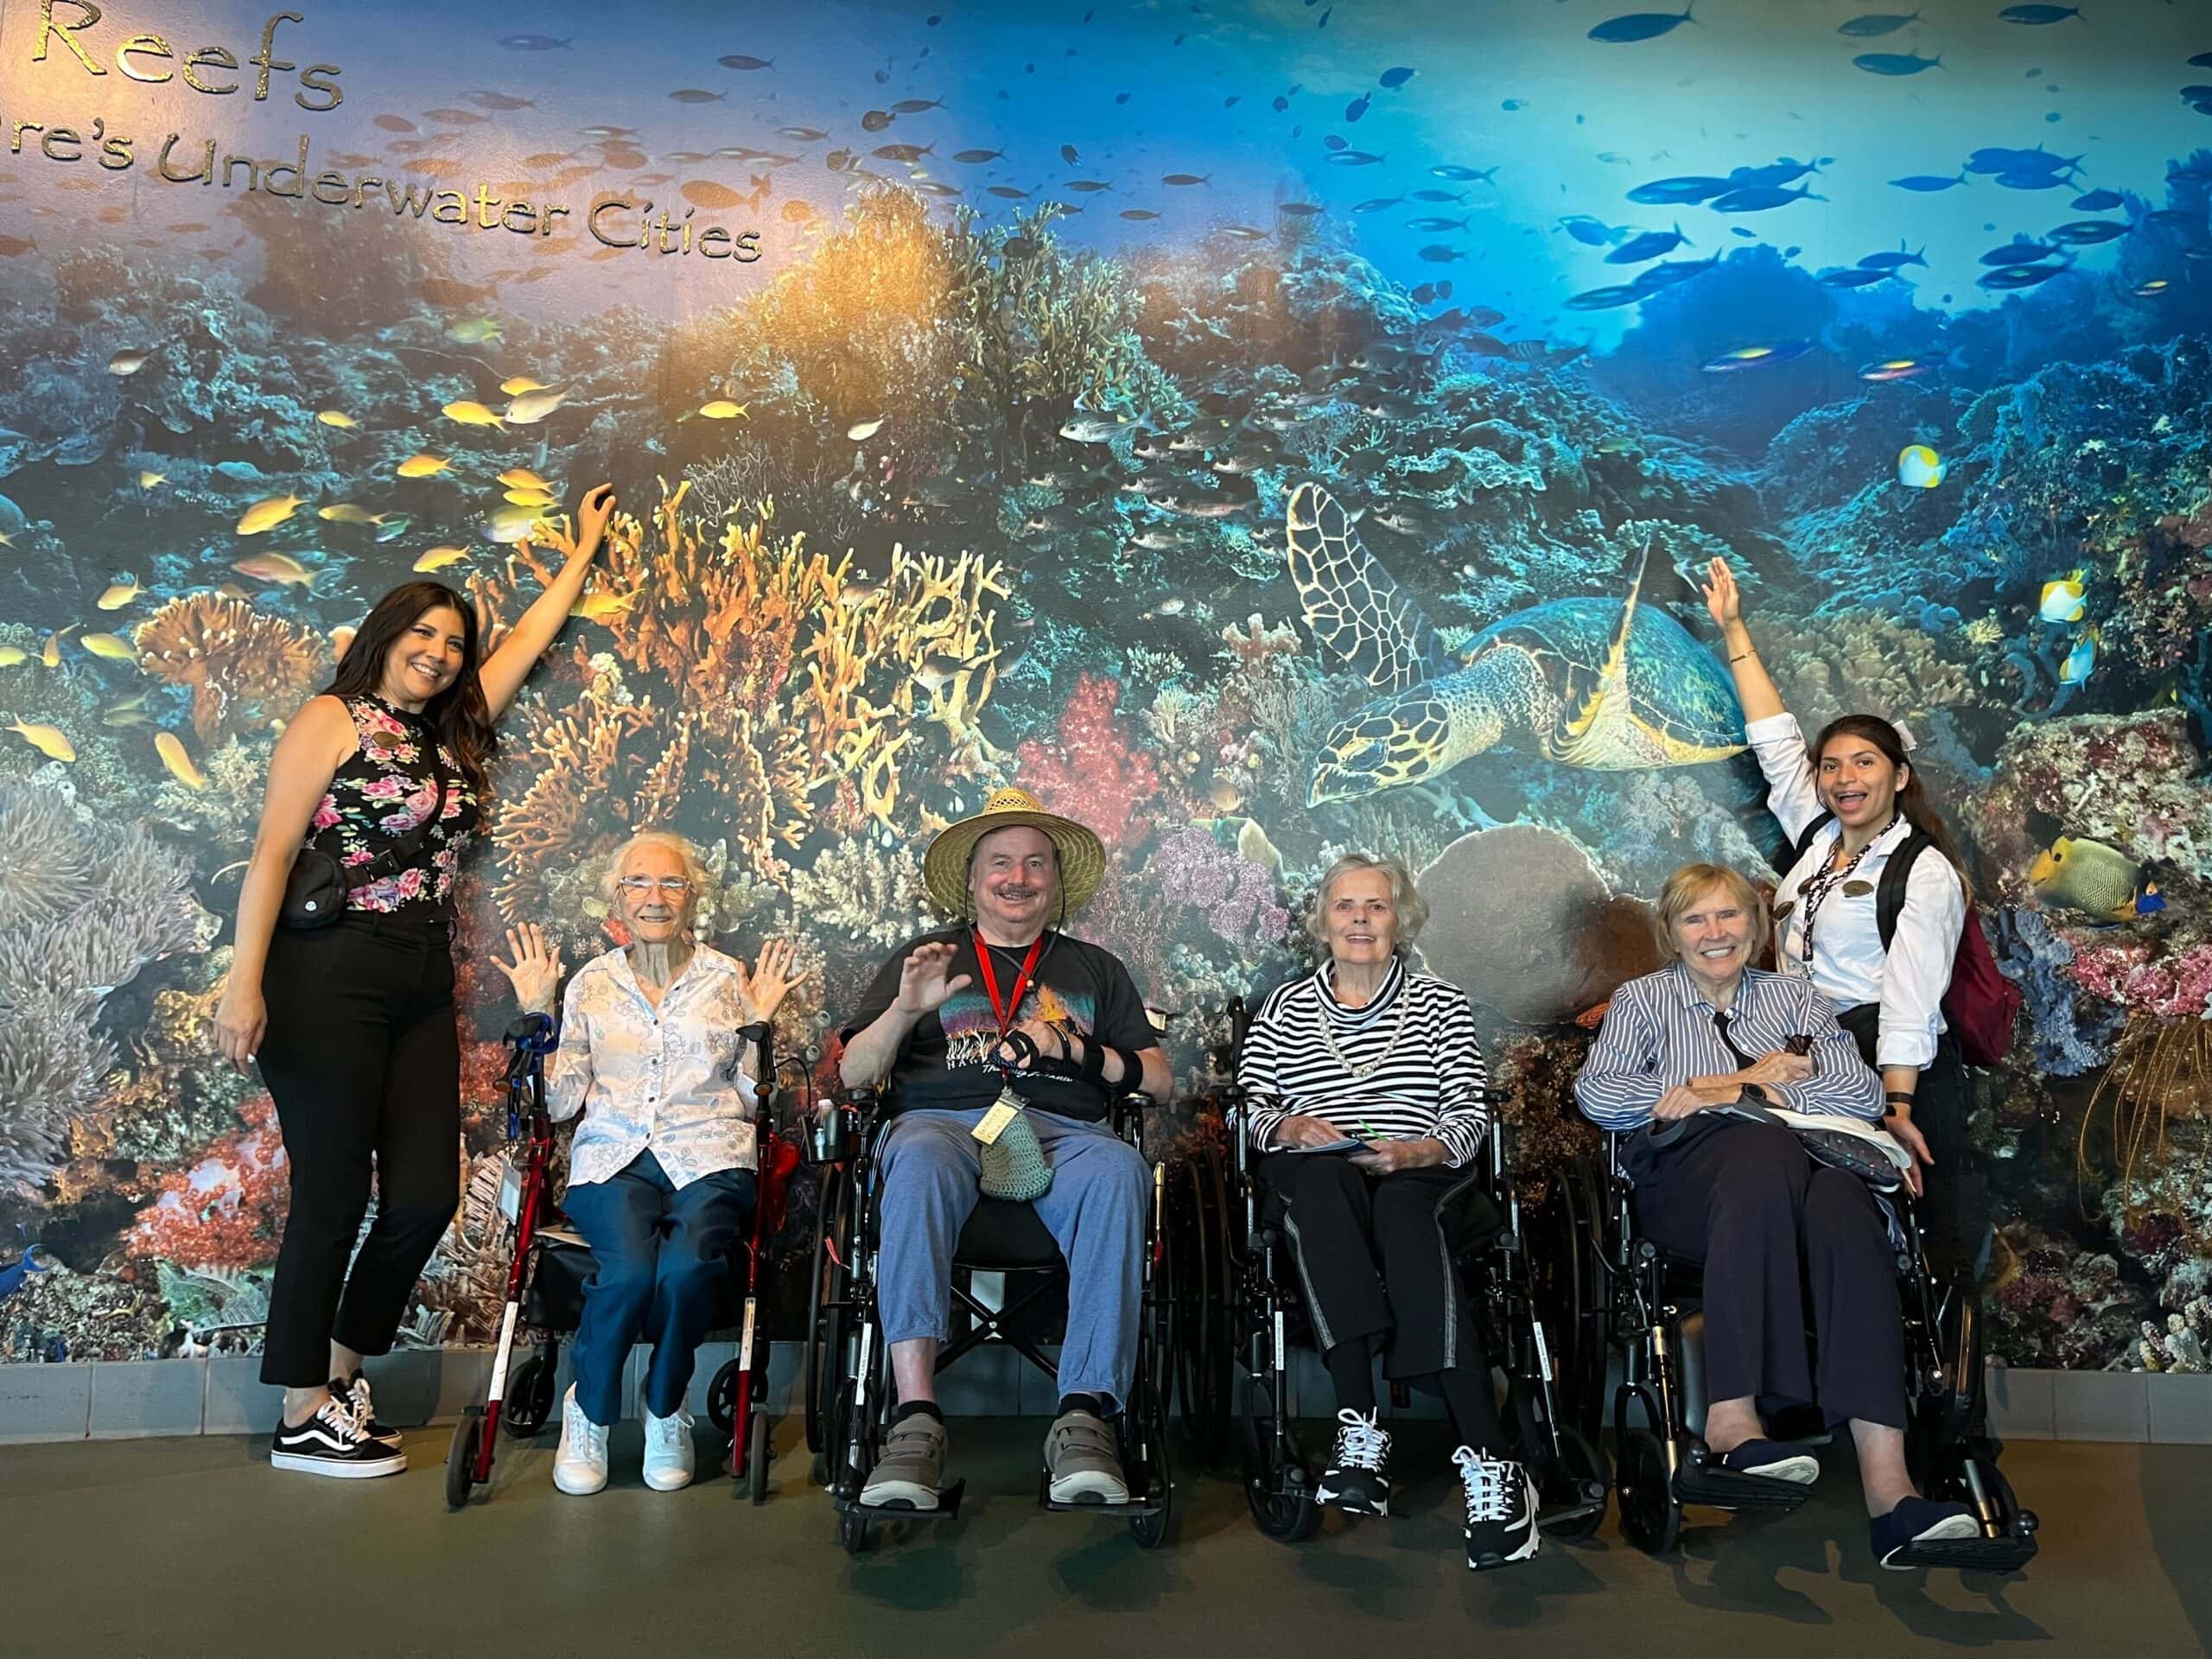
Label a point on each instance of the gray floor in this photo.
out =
(190, 1546)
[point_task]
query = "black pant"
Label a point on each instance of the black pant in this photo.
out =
(1776, 1232)
(363, 1059)
(1957, 1214)
(1374, 1263)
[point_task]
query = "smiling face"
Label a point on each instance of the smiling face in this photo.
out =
(653, 895)
(426, 658)
(1014, 879)
(1859, 782)
(1359, 923)
(1714, 936)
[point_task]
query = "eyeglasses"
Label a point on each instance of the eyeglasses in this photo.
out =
(670, 887)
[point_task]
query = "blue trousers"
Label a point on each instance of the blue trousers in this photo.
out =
(1095, 1209)
(659, 1252)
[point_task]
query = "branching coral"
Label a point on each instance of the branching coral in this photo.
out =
(860, 888)
(244, 668)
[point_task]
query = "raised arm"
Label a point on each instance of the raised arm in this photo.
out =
(1769, 727)
(503, 674)
(1754, 690)
(313, 747)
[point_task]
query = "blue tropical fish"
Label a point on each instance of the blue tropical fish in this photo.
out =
(1641, 25)
(1895, 63)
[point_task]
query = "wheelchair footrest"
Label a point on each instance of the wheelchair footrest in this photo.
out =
(1704, 1479)
(948, 1505)
(2008, 1553)
(1568, 1514)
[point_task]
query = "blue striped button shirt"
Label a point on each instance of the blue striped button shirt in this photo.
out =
(1660, 1032)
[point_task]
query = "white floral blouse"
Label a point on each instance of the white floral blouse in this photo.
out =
(665, 1081)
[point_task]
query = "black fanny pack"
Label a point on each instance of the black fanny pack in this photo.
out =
(317, 887)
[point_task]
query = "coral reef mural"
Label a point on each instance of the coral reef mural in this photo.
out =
(1242, 427)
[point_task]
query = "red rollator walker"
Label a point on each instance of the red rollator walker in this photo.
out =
(546, 1276)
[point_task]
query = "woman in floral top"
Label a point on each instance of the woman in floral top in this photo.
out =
(353, 1023)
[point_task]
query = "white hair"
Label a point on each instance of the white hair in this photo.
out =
(694, 869)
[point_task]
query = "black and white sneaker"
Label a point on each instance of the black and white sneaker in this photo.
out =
(1501, 1510)
(331, 1443)
(1356, 1480)
(356, 1394)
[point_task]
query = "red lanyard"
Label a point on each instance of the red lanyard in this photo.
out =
(1005, 1014)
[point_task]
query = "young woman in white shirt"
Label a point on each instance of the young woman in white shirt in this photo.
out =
(1827, 927)
(662, 1170)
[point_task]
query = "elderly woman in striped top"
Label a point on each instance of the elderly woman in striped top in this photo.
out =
(1774, 1230)
(1368, 1107)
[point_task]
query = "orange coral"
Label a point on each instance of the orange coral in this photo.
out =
(244, 669)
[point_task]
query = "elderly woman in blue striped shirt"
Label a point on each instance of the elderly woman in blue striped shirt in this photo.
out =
(1743, 1197)
(1368, 1107)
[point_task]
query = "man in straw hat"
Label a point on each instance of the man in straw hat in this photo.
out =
(1004, 1004)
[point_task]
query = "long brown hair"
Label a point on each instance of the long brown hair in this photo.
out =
(1912, 800)
(461, 715)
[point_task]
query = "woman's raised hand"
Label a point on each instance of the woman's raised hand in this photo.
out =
(536, 970)
(1722, 599)
(770, 979)
(591, 515)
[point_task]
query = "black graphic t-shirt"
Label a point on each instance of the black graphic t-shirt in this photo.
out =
(945, 1061)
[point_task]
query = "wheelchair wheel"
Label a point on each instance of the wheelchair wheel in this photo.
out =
(461, 1459)
(721, 1397)
(825, 1312)
(756, 1458)
(1570, 1293)
(529, 1402)
(1205, 1304)
(1650, 1519)
(1582, 1471)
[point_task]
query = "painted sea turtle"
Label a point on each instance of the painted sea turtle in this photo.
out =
(1585, 682)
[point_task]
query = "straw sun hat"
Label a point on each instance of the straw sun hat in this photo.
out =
(945, 866)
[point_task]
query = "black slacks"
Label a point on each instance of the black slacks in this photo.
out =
(1373, 1261)
(1778, 1234)
(1957, 1214)
(363, 1059)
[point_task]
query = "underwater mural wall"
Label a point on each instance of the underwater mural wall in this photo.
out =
(1241, 424)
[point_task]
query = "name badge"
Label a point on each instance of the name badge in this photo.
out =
(1781, 913)
(1857, 889)
(511, 1193)
(995, 1122)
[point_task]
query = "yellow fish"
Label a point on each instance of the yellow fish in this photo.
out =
(172, 751)
(2061, 602)
(113, 647)
(280, 567)
(521, 478)
(720, 409)
(345, 513)
(511, 525)
(468, 412)
(147, 480)
(49, 651)
(530, 497)
(267, 515)
(439, 557)
(474, 332)
(10, 656)
(337, 417)
(534, 406)
(120, 592)
(515, 386)
(422, 465)
(126, 714)
(602, 607)
(50, 741)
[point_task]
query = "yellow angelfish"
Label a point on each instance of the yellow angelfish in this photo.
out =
(2061, 602)
(113, 647)
(267, 515)
(468, 412)
(422, 465)
(50, 741)
(174, 756)
(120, 592)
(337, 417)
(2078, 873)
(11, 656)
(515, 386)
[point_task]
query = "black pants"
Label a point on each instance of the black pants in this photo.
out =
(1778, 1233)
(363, 1059)
(1957, 1214)
(1373, 1263)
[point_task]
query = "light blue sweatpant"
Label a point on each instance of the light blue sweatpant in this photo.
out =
(1095, 1211)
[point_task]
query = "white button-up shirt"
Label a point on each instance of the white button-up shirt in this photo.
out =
(664, 1080)
(1849, 965)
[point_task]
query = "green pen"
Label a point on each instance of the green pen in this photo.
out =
(1373, 1134)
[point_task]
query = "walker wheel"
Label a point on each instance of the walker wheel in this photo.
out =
(460, 1460)
(756, 1458)
(529, 1402)
(722, 1399)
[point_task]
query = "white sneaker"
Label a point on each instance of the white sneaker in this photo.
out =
(668, 1452)
(580, 1467)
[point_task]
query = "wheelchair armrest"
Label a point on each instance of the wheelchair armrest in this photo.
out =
(1126, 1114)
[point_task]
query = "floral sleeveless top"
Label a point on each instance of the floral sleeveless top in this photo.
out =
(383, 789)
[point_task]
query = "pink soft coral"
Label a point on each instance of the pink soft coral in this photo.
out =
(1093, 774)
(227, 1209)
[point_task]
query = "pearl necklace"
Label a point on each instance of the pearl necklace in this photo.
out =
(1361, 1073)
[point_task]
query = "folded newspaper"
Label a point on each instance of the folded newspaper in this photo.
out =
(1871, 1152)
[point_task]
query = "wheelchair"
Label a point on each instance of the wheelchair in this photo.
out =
(1242, 1310)
(846, 1382)
(549, 1265)
(1628, 1310)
